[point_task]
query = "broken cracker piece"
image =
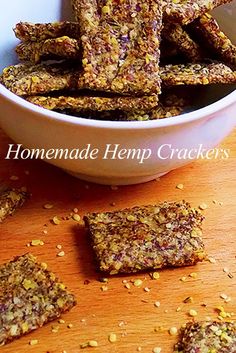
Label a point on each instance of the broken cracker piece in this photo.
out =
(197, 74)
(27, 79)
(146, 237)
(120, 42)
(61, 47)
(207, 30)
(185, 11)
(30, 297)
(10, 201)
(94, 103)
(32, 32)
(176, 35)
(217, 337)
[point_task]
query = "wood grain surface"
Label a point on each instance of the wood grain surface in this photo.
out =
(129, 313)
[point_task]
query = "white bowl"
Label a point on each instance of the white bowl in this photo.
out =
(34, 127)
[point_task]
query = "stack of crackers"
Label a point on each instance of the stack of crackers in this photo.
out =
(121, 56)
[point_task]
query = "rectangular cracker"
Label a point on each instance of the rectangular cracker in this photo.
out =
(30, 297)
(147, 237)
(27, 79)
(185, 11)
(197, 74)
(77, 103)
(176, 35)
(56, 48)
(36, 32)
(212, 337)
(207, 30)
(120, 41)
(10, 201)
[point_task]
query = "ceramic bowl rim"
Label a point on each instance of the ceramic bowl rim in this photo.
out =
(121, 125)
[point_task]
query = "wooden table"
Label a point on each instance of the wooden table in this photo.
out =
(131, 314)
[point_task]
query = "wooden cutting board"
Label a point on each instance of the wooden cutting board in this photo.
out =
(129, 313)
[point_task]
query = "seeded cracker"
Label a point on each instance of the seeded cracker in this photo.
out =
(147, 237)
(26, 79)
(211, 337)
(120, 41)
(185, 11)
(207, 29)
(182, 41)
(33, 32)
(62, 47)
(196, 74)
(10, 201)
(30, 297)
(94, 103)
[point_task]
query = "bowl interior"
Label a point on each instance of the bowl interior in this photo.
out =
(54, 10)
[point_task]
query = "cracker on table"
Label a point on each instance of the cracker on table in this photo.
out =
(208, 31)
(30, 296)
(147, 237)
(183, 43)
(32, 32)
(77, 103)
(185, 11)
(120, 41)
(27, 79)
(196, 74)
(10, 201)
(55, 48)
(209, 336)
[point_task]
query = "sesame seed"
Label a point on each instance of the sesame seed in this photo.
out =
(212, 260)
(61, 321)
(92, 343)
(104, 288)
(157, 304)
(59, 246)
(155, 275)
(157, 350)
(56, 220)
(61, 254)
(36, 242)
(192, 312)
(127, 285)
(14, 178)
(112, 337)
(180, 186)
(48, 206)
(33, 342)
(70, 325)
(193, 275)
(203, 206)
(146, 289)
(173, 331)
(76, 217)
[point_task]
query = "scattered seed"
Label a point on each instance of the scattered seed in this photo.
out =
(45, 231)
(127, 285)
(180, 186)
(75, 210)
(112, 337)
(173, 331)
(139, 349)
(212, 260)
(193, 275)
(56, 220)
(61, 321)
(59, 246)
(138, 282)
(178, 309)
(36, 242)
(183, 279)
(155, 275)
(48, 206)
(104, 288)
(103, 280)
(70, 325)
(192, 312)
(146, 289)
(188, 300)
(203, 206)
(61, 253)
(157, 304)
(44, 265)
(14, 178)
(55, 329)
(157, 350)
(92, 343)
(33, 342)
(76, 217)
